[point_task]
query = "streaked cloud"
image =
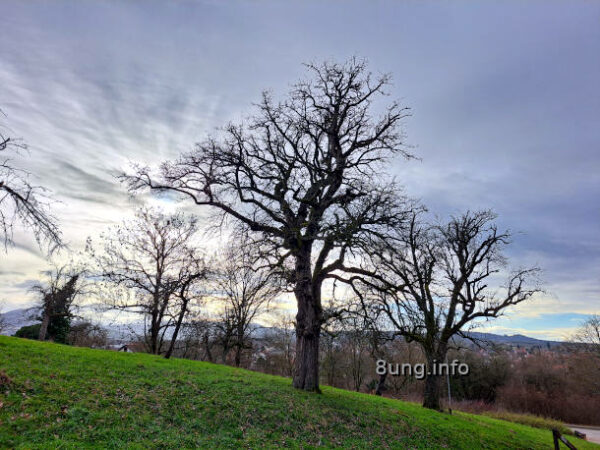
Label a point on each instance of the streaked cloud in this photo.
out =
(504, 96)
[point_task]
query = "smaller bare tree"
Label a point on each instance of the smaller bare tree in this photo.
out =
(200, 337)
(284, 343)
(154, 262)
(332, 357)
(356, 339)
(380, 334)
(246, 291)
(88, 334)
(589, 333)
(188, 291)
(439, 279)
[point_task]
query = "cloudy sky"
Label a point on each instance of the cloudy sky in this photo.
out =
(505, 100)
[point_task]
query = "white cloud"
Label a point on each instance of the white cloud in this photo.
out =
(498, 123)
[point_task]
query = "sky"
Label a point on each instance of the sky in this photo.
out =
(505, 104)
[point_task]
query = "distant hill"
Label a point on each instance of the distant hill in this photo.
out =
(57, 396)
(516, 340)
(483, 339)
(15, 319)
(18, 318)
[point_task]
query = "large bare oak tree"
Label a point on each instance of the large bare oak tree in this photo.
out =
(307, 177)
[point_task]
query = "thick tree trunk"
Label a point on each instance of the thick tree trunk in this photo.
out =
(306, 370)
(433, 383)
(431, 397)
(44, 327)
(308, 327)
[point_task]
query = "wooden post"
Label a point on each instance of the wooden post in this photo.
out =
(560, 438)
(555, 435)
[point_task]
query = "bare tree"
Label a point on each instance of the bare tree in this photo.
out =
(380, 333)
(307, 177)
(440, 277)
(187, 291)
(58, 293)
(22, 202)
(589, 333)
(200, 336)
(247, 291)
(332, 356)
(153, 262)
(282, 341)
(88, 334)
(224, 333)
(356, 339)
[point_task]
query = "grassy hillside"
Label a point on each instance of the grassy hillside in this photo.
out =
(59, 396)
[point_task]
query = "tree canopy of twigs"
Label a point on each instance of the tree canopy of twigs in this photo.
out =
(154, 263)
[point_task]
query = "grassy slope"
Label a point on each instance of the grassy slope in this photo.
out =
(62, 396)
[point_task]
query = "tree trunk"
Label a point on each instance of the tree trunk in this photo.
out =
(224, 354)
(240, 345)
(44, 327)
(238, 356)
(308, 327)
(154, 337)
(433, 383)
(176, 331)
(207, 346)
(381, 384)
(306, 370)
(431, 397)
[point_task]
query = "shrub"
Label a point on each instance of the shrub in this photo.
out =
(29, 332)
(530, 420)
(87, 334)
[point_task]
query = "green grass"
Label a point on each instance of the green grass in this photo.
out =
(56, 396)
